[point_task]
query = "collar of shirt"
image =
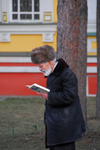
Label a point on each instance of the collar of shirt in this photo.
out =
(55, 65)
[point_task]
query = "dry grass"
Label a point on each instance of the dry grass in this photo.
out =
(91, 139)
(22, 125)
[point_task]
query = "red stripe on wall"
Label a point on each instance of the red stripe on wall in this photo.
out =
(14, 83)
(91, 73)
(31, 64)
(17, 64)
(91, 64)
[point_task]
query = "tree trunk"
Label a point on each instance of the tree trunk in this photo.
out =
(72, 41)
(98, 61)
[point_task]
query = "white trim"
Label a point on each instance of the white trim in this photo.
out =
(28, 29)
(92, 95)
(9, 11)
(0, 10)
(19, 69)
(92, 7)
(91, 27)
(35, 69)
(48, 10)
(47, 5)
(89, 41)
(4, 5)
(91, 69)
(28, 59)
(15, 59)
(41, 11)
(91, 59)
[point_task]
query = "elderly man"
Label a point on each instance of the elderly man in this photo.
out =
(63, 118)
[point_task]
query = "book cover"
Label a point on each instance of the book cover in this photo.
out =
(38, 88)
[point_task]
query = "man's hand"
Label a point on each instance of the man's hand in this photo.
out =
(44, 95)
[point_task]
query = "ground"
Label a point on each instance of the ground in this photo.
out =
(22, 125)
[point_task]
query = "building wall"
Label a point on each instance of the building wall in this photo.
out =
(17, 39)
(91, 66)
(25, 42)
(91, 49)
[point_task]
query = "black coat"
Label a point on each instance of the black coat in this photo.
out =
(63, 115)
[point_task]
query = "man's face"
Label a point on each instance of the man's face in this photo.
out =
(45, 68)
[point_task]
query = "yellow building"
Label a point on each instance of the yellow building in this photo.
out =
(26, 24)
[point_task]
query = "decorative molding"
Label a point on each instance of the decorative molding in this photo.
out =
(4, 17)
(46, 30)
(4, 37)
(28, 28)
(91, 27)
(89, 49)
(47, 17)
(48, 11)
(48, 37)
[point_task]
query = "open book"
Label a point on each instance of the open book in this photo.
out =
(38, 88)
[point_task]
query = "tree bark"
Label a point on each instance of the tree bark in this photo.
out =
(98, 61)
(72, 41)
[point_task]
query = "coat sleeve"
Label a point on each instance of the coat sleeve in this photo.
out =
(69, 92)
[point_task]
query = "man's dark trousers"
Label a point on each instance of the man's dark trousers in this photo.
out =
(67, 146)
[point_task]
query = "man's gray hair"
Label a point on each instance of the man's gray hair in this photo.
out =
(43, 54)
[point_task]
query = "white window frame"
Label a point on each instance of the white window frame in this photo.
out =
(25, 21)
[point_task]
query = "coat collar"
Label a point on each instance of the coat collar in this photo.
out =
(60, 67)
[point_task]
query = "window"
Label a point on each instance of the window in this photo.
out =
(25, 11)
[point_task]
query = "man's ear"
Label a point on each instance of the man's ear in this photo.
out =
(50, 62)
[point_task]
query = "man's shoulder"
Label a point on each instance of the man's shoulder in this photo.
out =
(68, 73)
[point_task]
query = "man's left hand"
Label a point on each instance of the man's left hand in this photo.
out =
(44, 95)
